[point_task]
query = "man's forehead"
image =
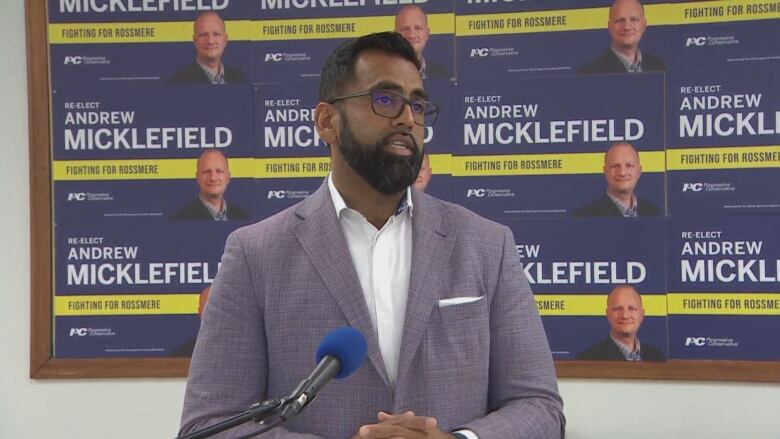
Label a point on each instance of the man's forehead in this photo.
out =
(374, 67)
(626, 7)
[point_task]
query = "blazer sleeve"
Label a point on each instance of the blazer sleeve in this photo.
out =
(523, 399)
(228, 371)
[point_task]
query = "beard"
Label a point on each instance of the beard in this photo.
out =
(387, 173)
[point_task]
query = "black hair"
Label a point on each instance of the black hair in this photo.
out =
(339, 68)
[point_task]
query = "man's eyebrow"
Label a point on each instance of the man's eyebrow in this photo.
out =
(419, 93)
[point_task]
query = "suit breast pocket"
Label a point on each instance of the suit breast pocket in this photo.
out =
(460, 329)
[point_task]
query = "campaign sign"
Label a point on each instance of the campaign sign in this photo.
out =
(102, 41)
(724, 129)
(148, 121)
(119, 283)
(77, 201)
(724, 287)
(503, 40)
(707, 36)
(571, 282)
(292, 40)
(537, 148)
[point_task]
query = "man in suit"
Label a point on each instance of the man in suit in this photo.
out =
(622, 170)
(213, 177)
(412, 23)
(627, 24)
(625, 315)
(455, 343)
(210, 38)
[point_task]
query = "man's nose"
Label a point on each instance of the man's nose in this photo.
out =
(406, 117)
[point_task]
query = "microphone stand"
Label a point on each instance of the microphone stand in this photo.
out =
(257, 412)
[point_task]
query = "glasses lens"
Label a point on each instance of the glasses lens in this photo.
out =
(386, 104)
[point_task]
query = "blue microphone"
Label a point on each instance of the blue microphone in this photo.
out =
(340, 354)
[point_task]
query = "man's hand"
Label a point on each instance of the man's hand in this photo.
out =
(405, 426)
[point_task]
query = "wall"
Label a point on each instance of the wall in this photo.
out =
(150, 408)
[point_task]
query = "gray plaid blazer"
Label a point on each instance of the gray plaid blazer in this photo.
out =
(288, 280)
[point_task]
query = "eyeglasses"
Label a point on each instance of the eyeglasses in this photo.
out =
(390, 104)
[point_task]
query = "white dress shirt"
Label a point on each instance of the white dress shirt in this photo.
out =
(383, 260)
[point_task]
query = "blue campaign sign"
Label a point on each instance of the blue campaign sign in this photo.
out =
(291, 41)
(705, 48)
(125, 336)
(492, 43)
(724, 279)
(534, 150)
(147, 121)
(77, 201)
(137, 255)
(99, 11)
(571, 282)
(284, 121)
(724, 128)
(146, 63)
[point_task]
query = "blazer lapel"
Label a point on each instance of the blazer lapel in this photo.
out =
(433, 239)
(320, 236)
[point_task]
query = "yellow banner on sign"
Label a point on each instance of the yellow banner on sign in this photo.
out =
(440, 163)
(742, 304)
(592, 305)
(136, 304)
(339, 27)
(529, 22)
(544, 164)
(734, 157)
(147, 32)
(720, 11)
(292, 167)
(147, 169)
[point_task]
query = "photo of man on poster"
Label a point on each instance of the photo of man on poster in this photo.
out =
(625, 315)
(210, 39)
(213, 177)
(412, 23)
(626, 25)
(622, 170)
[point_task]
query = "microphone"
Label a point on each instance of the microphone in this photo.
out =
(340, 354)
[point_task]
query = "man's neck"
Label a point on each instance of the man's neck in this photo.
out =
(214, 201)
(627, 198)
(629, 341)
(212, 65)
(629, 52)
(375, 206)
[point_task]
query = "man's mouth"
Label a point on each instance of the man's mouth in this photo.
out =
(400, 143)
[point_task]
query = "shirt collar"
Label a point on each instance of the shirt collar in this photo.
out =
(631, 65)
(217, 77)
(630, 355)
(341, 205)
(626, 210)
(218, 214)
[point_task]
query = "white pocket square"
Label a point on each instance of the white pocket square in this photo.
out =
(459, 300)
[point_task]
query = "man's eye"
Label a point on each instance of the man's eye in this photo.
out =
(418, 107)
(383, 99)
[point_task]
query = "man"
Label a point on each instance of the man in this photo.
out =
(424, 176)
(213, 177)
(626, 25)
(185, 349)
(412, 23)
(622, 171)
(454, 339)
(625, 315)
(210, 38)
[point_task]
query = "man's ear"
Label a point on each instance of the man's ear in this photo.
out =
(327, 121)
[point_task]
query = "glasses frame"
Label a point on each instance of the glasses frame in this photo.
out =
(405, 100)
